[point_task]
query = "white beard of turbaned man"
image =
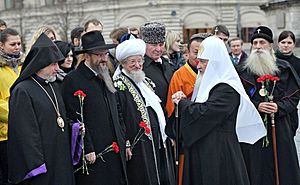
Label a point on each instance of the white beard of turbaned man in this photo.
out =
(104, 75)
(261, 62)
(137, 76)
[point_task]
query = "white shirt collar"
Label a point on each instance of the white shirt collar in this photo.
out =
(239, 56)
(96, 74)
(158, 60)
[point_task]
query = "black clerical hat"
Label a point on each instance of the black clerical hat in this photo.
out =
(91, 41)
(262, 32)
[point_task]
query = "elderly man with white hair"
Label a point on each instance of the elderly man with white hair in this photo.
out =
(221, 117)
(143, 116)
(272, 99)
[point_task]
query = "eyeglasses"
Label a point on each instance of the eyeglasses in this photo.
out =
(101, 55)
(134, 62)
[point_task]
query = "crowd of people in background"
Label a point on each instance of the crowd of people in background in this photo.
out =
(148, 109)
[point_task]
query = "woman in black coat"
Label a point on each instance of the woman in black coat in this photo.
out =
(66, 65)
(286, 44)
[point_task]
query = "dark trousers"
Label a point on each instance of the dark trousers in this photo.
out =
(3, 163)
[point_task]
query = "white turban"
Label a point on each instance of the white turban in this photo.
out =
(130, 48)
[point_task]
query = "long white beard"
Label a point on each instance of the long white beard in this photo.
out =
(261, 62)
(137, 76)
(104, 74)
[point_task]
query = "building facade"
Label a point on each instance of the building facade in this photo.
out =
(184, 16)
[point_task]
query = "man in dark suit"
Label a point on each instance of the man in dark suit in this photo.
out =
(100, 113)
(237, 55)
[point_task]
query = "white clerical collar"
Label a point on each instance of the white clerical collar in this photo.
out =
(158, 60)
(96, 74)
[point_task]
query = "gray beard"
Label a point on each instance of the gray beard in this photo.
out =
(51, 78)
(262, 62)
(104, 75)
(137, 76)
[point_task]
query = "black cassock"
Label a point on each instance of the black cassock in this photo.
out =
(36, 139)
(259, 159)
(212, 152)
(146, 161)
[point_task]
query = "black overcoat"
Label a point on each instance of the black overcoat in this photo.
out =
(160, 74)
(295, 63)
(103, 126)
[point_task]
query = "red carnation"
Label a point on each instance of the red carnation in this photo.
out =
(148, 130)
(268, 76)
(80, 93)
(143, 124)
(275, 78)
(115, 147)
(260, 79)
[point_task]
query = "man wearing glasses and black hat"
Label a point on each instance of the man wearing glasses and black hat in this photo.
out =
(100, 112)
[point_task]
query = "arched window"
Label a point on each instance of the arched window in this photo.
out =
(197, 22)
(249, 21)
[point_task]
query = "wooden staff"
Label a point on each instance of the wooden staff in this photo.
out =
(274, 144)
(177, 144)
(275, 148)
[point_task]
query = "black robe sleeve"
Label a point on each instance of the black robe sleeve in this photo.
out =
(24, 143)
(199, 119)
(289, 101)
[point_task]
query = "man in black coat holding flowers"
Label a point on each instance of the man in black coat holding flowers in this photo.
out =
(104, 143)
(273, 87)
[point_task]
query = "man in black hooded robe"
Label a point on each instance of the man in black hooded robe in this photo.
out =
(39, 147)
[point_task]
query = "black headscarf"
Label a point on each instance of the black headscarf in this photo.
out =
(65, 48)
(43, 53)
